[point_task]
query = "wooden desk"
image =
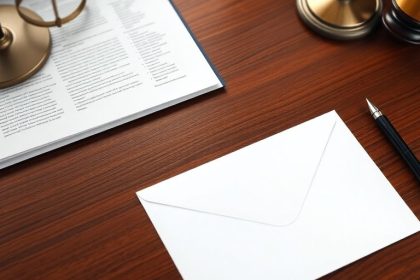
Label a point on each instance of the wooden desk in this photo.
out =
(73, 213)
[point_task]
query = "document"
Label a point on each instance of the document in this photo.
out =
(118, 61)
(297, 205)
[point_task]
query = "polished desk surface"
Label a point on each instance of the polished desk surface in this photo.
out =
(73, 213)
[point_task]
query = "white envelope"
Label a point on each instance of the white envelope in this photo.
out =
(297, 205)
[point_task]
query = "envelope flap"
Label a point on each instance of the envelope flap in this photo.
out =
(266, 182)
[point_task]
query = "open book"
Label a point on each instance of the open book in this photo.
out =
(118, 61)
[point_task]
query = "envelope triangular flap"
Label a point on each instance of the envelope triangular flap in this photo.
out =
(266, 182)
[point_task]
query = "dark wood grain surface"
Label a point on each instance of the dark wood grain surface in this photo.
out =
(73, 213)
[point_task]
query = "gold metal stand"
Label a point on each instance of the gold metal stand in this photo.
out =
(25, 41)
(24, 48)
(340, 19)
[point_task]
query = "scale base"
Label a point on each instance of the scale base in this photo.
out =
(24, 48)
(340, 19)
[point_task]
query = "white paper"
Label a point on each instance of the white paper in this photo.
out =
(118, 61)
(349, 211)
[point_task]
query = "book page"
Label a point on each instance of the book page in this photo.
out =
(119, 60)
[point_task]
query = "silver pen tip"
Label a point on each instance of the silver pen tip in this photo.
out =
(372, 108)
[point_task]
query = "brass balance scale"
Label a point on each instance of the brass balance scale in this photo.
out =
(25, 41)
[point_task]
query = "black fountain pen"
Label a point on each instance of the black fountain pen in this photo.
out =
(396, 140)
